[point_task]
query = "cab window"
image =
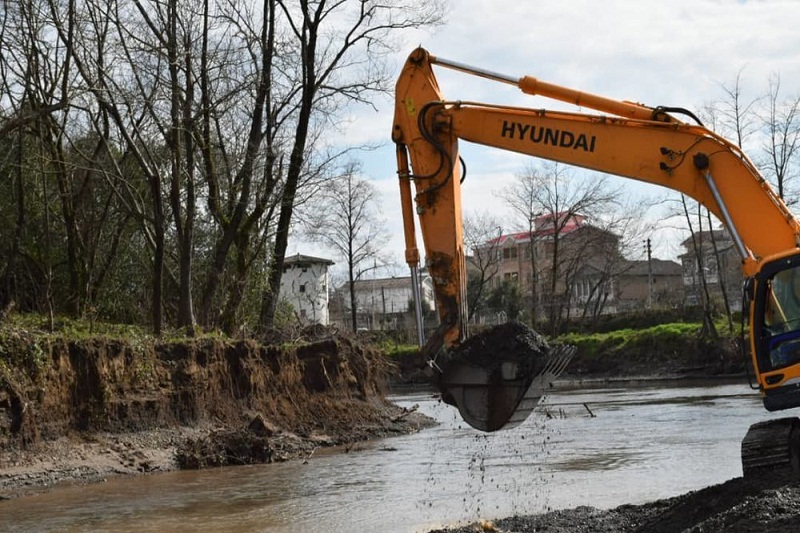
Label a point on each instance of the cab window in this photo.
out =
(782, 318)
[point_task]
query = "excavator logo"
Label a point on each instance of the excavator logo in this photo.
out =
(553, 137)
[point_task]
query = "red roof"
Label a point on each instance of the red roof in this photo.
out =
(543, 227)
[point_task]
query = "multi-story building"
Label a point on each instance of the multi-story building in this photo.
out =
(566, 267)
(657, 283)
(560, 266)
(712, 254)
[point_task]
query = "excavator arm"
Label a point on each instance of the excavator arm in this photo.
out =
(626, 139)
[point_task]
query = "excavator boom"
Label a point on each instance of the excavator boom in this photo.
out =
(623, 138)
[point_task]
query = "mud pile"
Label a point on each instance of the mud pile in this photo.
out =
(511, 342)
(736, 506)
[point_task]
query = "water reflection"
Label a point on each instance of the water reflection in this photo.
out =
(607, 460)
(643, 443)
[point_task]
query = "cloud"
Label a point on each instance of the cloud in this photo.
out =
(673, 53)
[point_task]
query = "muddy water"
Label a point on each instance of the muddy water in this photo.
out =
(601, 447)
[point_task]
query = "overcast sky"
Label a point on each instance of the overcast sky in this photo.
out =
(674, 53)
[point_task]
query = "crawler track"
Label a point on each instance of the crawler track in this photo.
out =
(772, 445)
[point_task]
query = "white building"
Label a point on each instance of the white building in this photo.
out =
(379, 302)
(304, 285)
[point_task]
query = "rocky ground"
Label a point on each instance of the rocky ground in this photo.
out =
(738, 506)
(80, 459)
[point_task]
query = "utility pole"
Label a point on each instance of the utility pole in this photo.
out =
(649, 274)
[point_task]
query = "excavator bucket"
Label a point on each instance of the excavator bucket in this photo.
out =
(496, 379)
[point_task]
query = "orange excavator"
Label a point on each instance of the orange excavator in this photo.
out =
(622, 138)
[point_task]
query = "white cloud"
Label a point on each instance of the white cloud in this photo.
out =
(674, 53)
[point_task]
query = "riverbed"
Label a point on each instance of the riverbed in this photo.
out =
(601, 446)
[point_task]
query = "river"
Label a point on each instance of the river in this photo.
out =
(602, 447)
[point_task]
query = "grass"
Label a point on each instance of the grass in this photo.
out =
(24, 338)
(662, 335)
(675, 334)
(72, 329)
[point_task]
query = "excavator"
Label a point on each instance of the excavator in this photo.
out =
(617, 137)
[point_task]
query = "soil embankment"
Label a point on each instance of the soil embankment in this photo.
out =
(82, 410)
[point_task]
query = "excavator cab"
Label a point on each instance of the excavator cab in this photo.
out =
(776, 332)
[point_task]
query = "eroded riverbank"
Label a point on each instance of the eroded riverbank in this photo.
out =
(79, 411)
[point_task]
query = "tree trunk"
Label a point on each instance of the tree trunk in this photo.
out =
(353, 309)
(238, 226)
(293, 174)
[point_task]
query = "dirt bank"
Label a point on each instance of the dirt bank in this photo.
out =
(82, 410)
(737, 506)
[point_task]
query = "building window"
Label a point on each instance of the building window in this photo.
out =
(303, 288)
(511, 276)
(583, 289)
(509, 253)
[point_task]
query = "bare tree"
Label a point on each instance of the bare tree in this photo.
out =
(188, 131)
(39, 87)
(242, 169)
(551, 195)
(781, 121)
(770, 118)
(341, 48)
(483, 236)
(523, 198)
(708, 329)
(734, 115)
(26, 56)
(602, 250)
(721, 277)
(346, 220)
